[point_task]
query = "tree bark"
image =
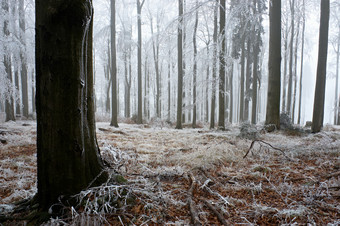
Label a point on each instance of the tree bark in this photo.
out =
(67, 150)
(302, 55)
(291, 45)
(319, 98)
(114, 116)
(194, 113)
(180, 65)
(214, 70)
(274, 64)
(221, 96)
(9, 102)
(23, 59)
(139, 57)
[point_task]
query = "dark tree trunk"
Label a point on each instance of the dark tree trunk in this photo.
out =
(214, 70)
(206, 114)
(67, 151)
(274, 64)
(319, 98)
(221, 96)
(23, 59)
(336, 106)
(114, 94)
(180, 65)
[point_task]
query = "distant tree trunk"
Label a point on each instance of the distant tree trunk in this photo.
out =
(221, 96)
(114, 117)
(139, 56)
(295, 66)
(17, 93)
(155, 50)
(67, 151)
(336, 106)
(319, 98)
(108, 78)
(231, 107)
(180, 65)
(214, 69)
(247, 93)
(302, 53)
(195, 70)
(290, 79)
(255, 76)
(23, 59)
(206, 96)
(9, 102)
(169, 86)
(242, 80)
(274, 64)
(284, 85)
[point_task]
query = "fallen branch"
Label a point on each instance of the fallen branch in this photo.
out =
(216, 212)
(332, 175)
(191, 203)
(263, 142)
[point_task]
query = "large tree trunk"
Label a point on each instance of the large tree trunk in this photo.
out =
(274, 64)
(24, 87)
(319, 98)
(221, 91)
(114, 94)
(180, 65)
(67, 151)
(336, 106)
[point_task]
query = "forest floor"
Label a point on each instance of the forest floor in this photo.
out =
(202, 176)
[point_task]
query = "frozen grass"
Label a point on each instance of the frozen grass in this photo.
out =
(270, 186)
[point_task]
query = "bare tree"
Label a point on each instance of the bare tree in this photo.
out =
(221, 92)
(274, 64)
(319, 98)
(180, 65)
(114, 116)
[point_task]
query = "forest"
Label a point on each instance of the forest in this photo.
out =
(169, 112)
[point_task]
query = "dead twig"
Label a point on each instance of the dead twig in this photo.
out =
(216, 212)
(263, 142)
(191, 203)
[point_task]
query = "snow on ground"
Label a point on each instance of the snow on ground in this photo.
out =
(287, 177)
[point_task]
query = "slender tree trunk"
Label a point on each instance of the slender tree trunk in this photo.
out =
(255, 77)
(231, 108)
(23, 59)
(221, 96)
(139, 56)
(114, 117)
(180, 65)
(290, 80)
(336, 107)
(274, 64)
(302, 55)
(242, 81)
(247, 96)
(319, 98)
(214, 70)
(9, 102)
(206, 96)
(67, 151)
(169, 86)
(285, 61)
(195, 70)
(295, 66)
